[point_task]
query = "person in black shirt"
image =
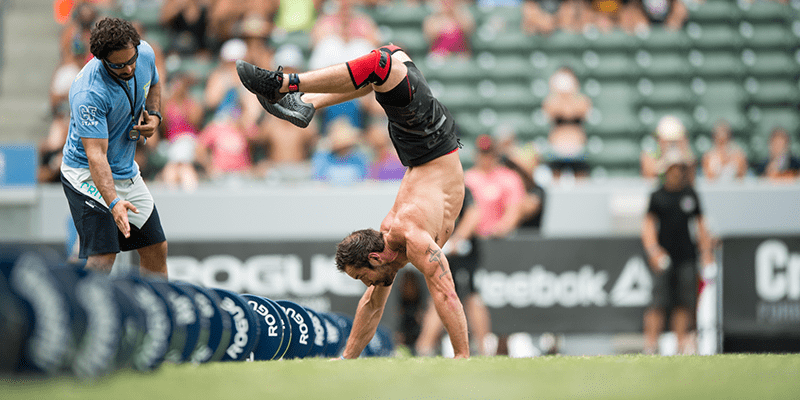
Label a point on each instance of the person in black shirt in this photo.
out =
(672, 253)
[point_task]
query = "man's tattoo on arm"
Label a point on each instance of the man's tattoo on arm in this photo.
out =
(436, 256)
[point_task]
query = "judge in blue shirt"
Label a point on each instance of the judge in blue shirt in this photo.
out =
(114, 103)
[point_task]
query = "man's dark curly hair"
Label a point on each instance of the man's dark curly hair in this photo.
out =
(110, 35)
(355, 248)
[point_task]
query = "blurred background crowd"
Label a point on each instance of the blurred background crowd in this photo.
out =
(564, 89)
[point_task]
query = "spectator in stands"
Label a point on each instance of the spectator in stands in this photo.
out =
(223, 148)
(463, 251)
(781, 165)
(449, 28)
(183, 117)
(411, 309)
(725, 161)
(224, 92)
(671, 252)
(65, 73)
(50, 149)
(342, 162)
(342, 35)
(83, 17)
(339, 36)
(539, 16)
(567, 109)
(385, 164)
(254, 30)
(297, 15)
(186, 23)
(627, 15)
(161, 65)
(498, 191)
(671, 14)
(523, 161)
(670, 133)
(288, 147)
(227, 15)
(574, 16)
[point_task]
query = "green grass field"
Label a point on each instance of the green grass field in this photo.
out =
(607, 377)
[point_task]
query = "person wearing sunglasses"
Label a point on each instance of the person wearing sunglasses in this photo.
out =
(114, 103)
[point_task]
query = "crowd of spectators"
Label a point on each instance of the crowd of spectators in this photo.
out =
(214, 131)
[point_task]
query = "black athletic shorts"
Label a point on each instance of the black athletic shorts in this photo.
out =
(463, 269)
(677, 286)
(97, 231)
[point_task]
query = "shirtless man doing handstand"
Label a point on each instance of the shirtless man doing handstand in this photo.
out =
(431, 192)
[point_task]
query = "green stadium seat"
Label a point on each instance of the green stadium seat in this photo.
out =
(666, 65)
(706, 116)
(147, 13)
(563, 42)
(660, 39)
(198, 67)
(723, 91)
(544, 64)
(400, 14)
(716, 64)
(508, 16)
(614, 122)
(714, 37)
(301, 39)
(614, 41)
(613, 113)
(460, 97)
(514, 41)
(666, 94)
(767, 36)
(469, 126)
(714, 11)
(766, 11)
(615, 154)
(611, 65)
(505, 67)
(769, 118)
(512, 96)
(157, 36)
(410, 39)
(773, 93)
(454, 70)
(771, 64)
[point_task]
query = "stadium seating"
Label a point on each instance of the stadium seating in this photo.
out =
(731, 58)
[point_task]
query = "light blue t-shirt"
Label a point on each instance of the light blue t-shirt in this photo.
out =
(100, 108)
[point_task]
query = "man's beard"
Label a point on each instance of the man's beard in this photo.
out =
(118, 76)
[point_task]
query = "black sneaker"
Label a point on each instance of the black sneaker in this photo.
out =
(290, 108)
(262, 82)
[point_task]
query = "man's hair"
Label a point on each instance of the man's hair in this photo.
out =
(355, 248)
(110, 35)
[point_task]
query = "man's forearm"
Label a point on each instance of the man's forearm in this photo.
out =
(365, 323)
(102, 177)
(454, 320)
(153, 102)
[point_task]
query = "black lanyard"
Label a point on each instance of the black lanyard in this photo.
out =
(132, 101)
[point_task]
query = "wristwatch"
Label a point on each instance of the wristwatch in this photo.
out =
(157, 114)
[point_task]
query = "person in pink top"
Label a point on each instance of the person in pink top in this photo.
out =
(449, 28)
(224, 146)
(183, 115)
(498, 191)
